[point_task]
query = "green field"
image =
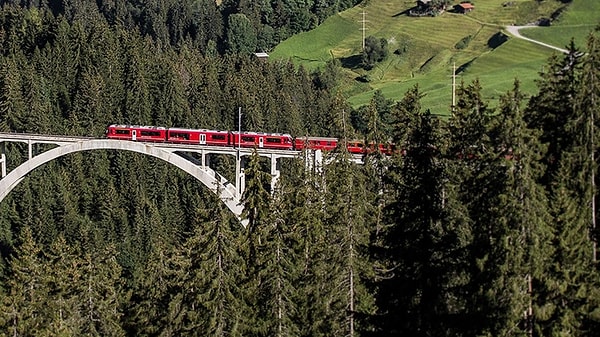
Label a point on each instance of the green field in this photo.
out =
(423, 49)
(576, 22)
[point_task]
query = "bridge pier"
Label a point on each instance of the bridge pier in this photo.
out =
(319, 161)
(242, 182)
(314, 161)
(238, 175)
(3, 159)
(205, 159)
(275, 173)
(30, 148)
(3, 164)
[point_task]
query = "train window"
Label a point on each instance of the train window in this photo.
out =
(122, 132)
(180, 135)
(247, 139)
(150, 133)
(218, 137)
(273, 140)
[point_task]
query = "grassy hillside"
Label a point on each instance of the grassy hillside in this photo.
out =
(424, 50)
(576, 22)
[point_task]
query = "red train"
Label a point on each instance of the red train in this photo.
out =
(279, 141)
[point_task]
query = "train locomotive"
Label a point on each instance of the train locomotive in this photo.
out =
(276, 141)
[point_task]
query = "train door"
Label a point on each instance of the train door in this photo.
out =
(133, 134)
(261, 142)
(202, 139)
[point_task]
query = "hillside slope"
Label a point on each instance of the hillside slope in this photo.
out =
(424, 50)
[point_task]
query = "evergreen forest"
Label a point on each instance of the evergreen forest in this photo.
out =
(483, 224)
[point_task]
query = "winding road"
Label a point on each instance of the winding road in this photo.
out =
(514, 30)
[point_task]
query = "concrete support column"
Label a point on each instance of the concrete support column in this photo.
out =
(203, 159)
(3, 164)
(318, 161)
(3, 159)
(242, 182)
(275, 174)
(30, 148)
(238, 174)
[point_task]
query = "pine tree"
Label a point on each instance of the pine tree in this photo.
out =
(100, 295)
(212, 298)
(553, 107)
(301, 193)
(64, 272)
(12, 105)
(277, 263)
(426, 241)
(148, 314)
(256, 201)
(589, 102)
(469, 123)
(137, 104)
(24, 306)
(574, 279)
(347, 207)
(511, 232)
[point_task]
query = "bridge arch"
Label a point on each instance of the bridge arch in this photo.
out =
(216, 183)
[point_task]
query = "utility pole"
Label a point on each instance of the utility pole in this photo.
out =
(363, 29)
(239, 129)
(453, 85)
(238, 162)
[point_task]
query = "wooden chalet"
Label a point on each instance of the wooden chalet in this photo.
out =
(426, 8)
(464, 7)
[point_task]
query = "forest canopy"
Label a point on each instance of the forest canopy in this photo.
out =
(483, 225)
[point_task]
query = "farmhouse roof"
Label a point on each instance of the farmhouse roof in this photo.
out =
(466, 5)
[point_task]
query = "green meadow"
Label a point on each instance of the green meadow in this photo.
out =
(426, 51)
(575, 23)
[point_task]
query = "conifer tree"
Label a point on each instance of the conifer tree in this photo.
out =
(278, 265)
(255, 198)
(101, 297)
(12, 105)
(510, 227)
(347, 207)
(256, 201)
(212, 300)
(575, 280)
(469, 123)
(137, 104)
(425, 244)
(23, 308)
(552, 109)
(589, 102)
(64, 271)
(301, 193)
(155, 288)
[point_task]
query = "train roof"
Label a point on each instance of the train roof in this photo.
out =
(317, 138)
(196, 130)
(137, 126)
(263, 134)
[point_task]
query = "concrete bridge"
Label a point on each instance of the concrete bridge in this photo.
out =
(176, 154)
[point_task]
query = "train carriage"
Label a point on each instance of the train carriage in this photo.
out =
(201, 137)
(355, 147)
(137, 133)
(277, 141)
(315, 143)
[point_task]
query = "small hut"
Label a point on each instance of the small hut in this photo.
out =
(464, 7)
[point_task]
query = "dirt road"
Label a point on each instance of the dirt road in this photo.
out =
(514, 30)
